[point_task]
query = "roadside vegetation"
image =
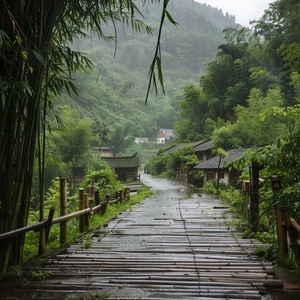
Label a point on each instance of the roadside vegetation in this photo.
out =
(105, 181)
(249, 98)
(52, 119)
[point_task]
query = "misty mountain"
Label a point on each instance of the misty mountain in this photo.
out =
(114, 91)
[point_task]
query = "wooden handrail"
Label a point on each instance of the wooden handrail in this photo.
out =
(23, 230)
(45, 223)
(71, 216)
(50, 221)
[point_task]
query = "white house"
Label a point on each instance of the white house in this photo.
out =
(164, 135)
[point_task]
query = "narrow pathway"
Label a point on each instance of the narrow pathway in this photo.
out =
(174, 245)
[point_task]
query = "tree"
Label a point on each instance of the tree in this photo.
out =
(74, 142)
(37, 63)
(226, 83)
(256, 124)
(280, 158)
(193, 110)
(279, 28)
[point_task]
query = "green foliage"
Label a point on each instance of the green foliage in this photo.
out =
(98, 221)
(74, 142)
(280, 158)
(211, 186)
(36, 69)
(255, 125)
(105, 181)
(166, 164)
(15, 273)
(268, 252)
(39, 275)
(107, 92)
(263, 79)
(88, 242)
(193, 109)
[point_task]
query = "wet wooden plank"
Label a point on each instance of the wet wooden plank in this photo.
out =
(173, 248)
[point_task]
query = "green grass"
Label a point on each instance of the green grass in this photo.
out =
(97, 221)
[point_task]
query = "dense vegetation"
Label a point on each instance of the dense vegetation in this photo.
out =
(249, 98)
(37, 65)
(239, 88)
(113, 92)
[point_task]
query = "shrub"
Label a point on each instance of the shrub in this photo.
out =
(105, 181)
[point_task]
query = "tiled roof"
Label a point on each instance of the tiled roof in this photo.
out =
(180, 146)
(122, 162)
(204, 146)
(167, 132)
(212, 164)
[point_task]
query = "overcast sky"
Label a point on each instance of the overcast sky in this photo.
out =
(243, 10)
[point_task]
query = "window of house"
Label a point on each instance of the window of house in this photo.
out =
(210, 176)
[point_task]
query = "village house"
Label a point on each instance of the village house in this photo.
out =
(212, 166)
(141, 140)
(203, 151)
(125, 167)
(164, 135)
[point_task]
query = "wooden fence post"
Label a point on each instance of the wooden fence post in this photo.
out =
(121, 194)
(97, 197)
(86, 216)
(127, 193)
(293, 233)
(105, 203)
(49, 222)
(81, 199)
(281, 231)
(92, 190)
(254, 200)
(42, 242)
(63, 209)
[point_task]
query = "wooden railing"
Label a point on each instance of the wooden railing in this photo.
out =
(89, 203)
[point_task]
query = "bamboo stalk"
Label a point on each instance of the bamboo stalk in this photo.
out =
(63, 210)
(295, 225)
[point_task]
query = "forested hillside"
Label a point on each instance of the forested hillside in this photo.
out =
(240, 87)
(113, 92)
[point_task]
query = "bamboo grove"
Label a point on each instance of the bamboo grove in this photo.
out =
(37, 63)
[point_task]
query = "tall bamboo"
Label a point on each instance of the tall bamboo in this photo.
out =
(21, 118)
(34, 35)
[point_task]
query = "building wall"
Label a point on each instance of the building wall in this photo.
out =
(127, 174)
(209, 175)
(161, 140)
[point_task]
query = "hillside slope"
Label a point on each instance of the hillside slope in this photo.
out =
(114, 91)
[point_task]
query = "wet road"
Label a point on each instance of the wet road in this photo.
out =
(174, 245)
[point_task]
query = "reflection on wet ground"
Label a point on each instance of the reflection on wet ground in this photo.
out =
(177, 244)
(283, 274)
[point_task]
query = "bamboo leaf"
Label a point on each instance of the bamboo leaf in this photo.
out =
(171, 19)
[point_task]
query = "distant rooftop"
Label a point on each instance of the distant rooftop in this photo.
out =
(123, 161)
(213, 163)
(197, 146)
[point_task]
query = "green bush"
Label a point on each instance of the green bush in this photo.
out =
(105, 181)
(166, 164)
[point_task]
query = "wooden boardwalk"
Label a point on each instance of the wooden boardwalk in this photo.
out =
(172, 246)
